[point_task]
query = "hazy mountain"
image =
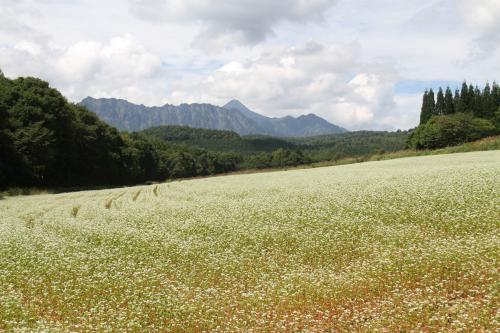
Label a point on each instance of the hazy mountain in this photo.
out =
(233, 116)
(127, 116)
(237, 105)
(305, 125)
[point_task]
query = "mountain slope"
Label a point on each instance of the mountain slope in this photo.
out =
(132, 117)
(234, 116)
(237, 105)
(305, 125)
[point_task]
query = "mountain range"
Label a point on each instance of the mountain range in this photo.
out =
(233, 116)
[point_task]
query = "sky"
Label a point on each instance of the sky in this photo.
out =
(361, 64)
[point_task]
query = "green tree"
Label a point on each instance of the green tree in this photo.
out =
(465, 101)
(488, 103)
(495, 92)
(280, 157)
(440, 103)
(7, 153)
(456, 101)
(442, 131)
(449, 107)
(477, 106)
(428, 107)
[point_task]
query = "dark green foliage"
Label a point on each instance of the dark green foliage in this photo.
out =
(218, 140)
(428, 107)
(470, 115)
(285, 157)
(440, 103)
(46, 141)
(443, 131)
(496, 94)
(456, 101)
(477, 107)
(464, 102)
(488, 103)
(334, 147)
(449, 107)
(184, 133)
(257, 151)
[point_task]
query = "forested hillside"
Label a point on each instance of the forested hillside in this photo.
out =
(46, 141)
(447, 119)
(218, 140)
(264, 151)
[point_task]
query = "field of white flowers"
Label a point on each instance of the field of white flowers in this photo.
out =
(403, 245)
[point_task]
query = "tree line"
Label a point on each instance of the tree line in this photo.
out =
(257, 151)
(447, 118)
(48, 142)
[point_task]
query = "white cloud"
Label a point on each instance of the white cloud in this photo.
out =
(318, 78)
(361, 49)
(13, 27)
(122, 67)
(226, 23)
(483, 16)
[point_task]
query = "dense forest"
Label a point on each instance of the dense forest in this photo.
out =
(448, 118)
(218, 140)
(46, 141)
(265, 152)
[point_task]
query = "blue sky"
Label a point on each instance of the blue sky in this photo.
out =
(361, 64)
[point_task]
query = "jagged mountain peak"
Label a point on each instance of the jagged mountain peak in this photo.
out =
(234, 116)
(235, 104)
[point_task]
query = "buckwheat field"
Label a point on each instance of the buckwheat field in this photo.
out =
(403, 245)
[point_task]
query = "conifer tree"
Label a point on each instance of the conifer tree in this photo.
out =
(428, 106)
(440, 104)
(432, 103)
(424, 113)
(456, 101)
(477, 102)
(449, 108)
(495, 92)
(488, 103)
(464, 102)
(471, 98)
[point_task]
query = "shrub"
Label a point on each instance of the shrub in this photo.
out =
(448, 130)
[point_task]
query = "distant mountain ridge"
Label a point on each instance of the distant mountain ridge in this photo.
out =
(233, 116)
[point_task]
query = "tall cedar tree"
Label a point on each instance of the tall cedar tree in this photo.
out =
(477, 108)
(472, 99)
(496, 94)
(489, 107)
(440, 104)
(456, 101)
(432, 102)
(449, 107)
(463, 101)
(424, 112)
(428, 107)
